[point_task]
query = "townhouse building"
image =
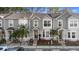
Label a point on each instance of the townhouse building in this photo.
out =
(40, 25)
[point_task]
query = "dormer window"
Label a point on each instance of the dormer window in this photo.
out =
(47, 23)
(35, 23)
(11, 23)
(60, 23)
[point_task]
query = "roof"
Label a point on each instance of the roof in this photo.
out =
(55, 15)
(4, 15)
(18, 15)
(40, 15)
(31, 15)
(75, 15)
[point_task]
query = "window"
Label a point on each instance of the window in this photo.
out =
(73, 24)
(0, 23)
(35, 23)
(68, 34)
(11, 23)
(60, 23)
(73, 34)
(47, 23)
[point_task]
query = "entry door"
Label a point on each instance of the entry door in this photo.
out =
(36, 36)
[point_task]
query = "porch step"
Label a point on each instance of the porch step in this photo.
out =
(35, 42)
(62, 42)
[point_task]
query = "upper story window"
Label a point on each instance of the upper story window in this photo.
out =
(60, 23)
(35, 23)
(0, 23)
(11, 23)
(73, 24)
(47, 23)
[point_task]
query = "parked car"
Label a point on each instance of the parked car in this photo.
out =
(19, 48)
(15, 49)
(3, 48)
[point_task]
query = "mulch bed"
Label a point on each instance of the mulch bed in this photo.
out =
(71, 43)
(43, 42)
(48, 42)
(56, 43)
(15, 41)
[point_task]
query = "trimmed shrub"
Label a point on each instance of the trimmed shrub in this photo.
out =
(30, 42)
(2, 41)
(56, 43)
(15, 41)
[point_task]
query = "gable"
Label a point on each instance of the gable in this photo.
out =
(73, 17)
(36, 17)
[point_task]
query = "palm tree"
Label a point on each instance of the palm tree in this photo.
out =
(20, 33)
(54, 9)
(4, 9)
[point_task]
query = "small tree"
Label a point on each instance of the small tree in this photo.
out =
(53, 33)
(21, 32)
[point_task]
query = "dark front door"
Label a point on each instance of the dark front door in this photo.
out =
(36, 34)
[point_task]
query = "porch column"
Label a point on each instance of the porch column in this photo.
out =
(6, 35)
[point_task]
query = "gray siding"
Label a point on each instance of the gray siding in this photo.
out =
(6, 24)
(65, 23)
(16, 23)
(2, 23)
(41, 24)
(55, 24)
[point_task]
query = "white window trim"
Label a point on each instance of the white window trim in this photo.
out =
(11, 22)
(61, 23)
(71, 35)
(34, 23)
(47, 27)
(73, 21)
(1, 23)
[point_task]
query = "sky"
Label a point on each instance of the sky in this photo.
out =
(75, 9)
(45, 9)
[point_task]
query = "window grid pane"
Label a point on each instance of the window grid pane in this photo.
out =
(73, 34)
(68, 34)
